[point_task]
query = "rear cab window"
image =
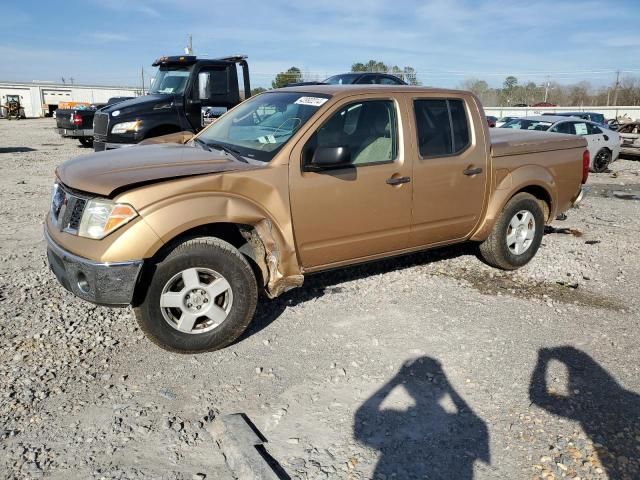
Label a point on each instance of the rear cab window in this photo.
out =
(442, 127)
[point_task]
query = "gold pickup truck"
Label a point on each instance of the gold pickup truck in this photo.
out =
(189, 230)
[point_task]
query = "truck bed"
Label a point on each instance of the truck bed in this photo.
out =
(506, 141)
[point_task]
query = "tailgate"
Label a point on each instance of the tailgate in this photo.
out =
(63, 119)
(507, 141)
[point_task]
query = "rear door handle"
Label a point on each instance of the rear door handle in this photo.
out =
(472, 171)
(398, 180)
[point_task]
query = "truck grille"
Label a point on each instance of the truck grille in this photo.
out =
(66, 209)
(100, 125)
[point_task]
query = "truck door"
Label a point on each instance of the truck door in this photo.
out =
(449, 171)
(212, 94)
(363, 209)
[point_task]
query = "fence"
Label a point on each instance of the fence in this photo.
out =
(608, 112)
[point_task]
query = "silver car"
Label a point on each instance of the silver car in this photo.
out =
(603, 145)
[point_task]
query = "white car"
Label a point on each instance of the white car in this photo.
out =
(503, 120)
(603, 144)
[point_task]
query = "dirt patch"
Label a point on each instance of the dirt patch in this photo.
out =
(516, 286)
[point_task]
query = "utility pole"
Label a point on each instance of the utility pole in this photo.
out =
(142, 75)
(546, 90)
(189, 49)
(615, 89)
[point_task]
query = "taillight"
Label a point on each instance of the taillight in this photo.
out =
(585, 166)
(76, 119)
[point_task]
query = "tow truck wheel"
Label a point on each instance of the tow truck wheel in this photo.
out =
(516, 235)
(86, 141)
(201, 297)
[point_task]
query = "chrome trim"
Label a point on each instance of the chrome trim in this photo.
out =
(103, 283)
(112, 146)
(578, 200)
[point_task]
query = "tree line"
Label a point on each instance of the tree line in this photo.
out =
(295, 74)
(511, 93)
(581, 94)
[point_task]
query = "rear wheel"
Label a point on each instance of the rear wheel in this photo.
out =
(201, 297)
(516, 235)
(86, 141)
(602, 160)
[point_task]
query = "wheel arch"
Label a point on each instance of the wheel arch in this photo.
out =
(532, 179)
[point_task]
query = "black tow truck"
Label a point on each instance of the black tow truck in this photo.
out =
(186, 93)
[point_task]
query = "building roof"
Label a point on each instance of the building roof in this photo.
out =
(45, 84)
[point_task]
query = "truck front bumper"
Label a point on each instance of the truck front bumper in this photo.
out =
(67, 132)
(111, 284)
(99, 146)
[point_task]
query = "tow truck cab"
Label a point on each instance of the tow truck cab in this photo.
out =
(186, 94)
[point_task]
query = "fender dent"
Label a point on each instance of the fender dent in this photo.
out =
(267, 256)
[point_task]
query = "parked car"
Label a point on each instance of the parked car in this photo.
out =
(630, 138)
(604, 146)
(364, 78)
(294, 181)
(78, 122)
(501, 121)
(591, 116)
(491, 121)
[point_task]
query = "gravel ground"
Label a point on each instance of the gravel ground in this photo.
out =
(428, 366)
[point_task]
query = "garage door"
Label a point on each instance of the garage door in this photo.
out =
(54, 97)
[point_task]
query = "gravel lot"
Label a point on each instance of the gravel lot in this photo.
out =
(429, 366)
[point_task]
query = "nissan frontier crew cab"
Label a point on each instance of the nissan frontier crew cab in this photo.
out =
(296, 181)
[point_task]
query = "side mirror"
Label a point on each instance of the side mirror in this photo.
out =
(203, 86)
(606, 138)
(325, 158)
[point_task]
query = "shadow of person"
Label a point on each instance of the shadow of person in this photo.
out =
(437, 437)
(608, 414)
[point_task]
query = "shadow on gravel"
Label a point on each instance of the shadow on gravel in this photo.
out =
(16, 149)
(438, 437)
(608, 414)
(320, 284)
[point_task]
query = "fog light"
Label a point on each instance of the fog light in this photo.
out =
(83, 284)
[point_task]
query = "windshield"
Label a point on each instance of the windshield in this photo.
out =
(260, 127)
(525, 124)
(170, 80)
(344, 79)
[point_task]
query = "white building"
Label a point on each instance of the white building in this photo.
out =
(41, 98)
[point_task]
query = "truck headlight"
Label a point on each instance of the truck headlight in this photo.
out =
(126, 127)
(102, 216)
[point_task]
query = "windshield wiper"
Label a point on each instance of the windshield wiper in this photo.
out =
(203, 144)
(234, 153)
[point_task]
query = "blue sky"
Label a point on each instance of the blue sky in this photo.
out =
(446, 41)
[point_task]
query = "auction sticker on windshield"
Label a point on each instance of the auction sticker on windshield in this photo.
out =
(313, 101)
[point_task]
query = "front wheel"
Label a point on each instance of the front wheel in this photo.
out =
(202, 296)
(516, 235)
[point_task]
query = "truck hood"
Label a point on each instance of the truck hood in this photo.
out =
(140, 104)
(104, 173)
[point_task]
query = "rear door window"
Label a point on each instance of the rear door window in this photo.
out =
(442, 127)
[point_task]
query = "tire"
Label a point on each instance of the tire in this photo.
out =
(86, 141)
(601, 160)
(222, 315)
(525, 212)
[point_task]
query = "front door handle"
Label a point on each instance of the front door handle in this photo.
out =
(398, 180)
(472, 171)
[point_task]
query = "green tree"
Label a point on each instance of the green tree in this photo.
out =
(257, 90)
(408, 74)
(293, 75)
